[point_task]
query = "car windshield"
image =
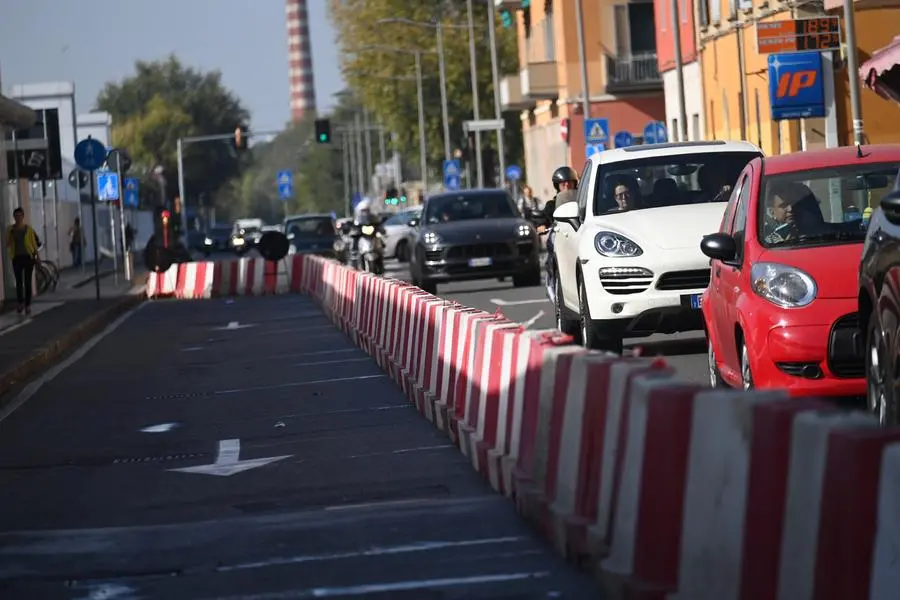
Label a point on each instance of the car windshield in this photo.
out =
(466, 207)
(400, 218)
(310, 227)
(668, 181)
(822, 206)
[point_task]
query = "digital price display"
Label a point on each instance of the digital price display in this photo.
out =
(820, 34)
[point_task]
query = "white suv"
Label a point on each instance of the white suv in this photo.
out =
(627, 252)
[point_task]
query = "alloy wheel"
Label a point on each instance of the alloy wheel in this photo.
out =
(713, 371)
(877, 396)
(746, 375)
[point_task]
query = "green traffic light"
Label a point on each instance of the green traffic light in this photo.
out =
(387, 201)
(394, 201)
(323, 137)
(402, 198)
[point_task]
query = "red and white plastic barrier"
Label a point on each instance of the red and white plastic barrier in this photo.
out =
(668, 489)
(241, 277)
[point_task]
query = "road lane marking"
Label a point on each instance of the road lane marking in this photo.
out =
(374, 551)
(161, 428)
(501, 302)
(532, 320)
(228, 461)
(32, 388)
(332, 362)
(297, 384)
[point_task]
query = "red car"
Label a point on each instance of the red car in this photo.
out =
(781, 307)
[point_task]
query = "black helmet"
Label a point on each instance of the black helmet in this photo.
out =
(564, 174)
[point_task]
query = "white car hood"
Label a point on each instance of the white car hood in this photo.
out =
(669, 227)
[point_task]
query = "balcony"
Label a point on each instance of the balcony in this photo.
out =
(633, 73)
(511, 94)
(538, 81)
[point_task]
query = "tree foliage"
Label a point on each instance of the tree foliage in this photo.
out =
(165, 100)
(372, 74)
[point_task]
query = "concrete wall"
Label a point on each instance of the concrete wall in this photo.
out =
(693, 96)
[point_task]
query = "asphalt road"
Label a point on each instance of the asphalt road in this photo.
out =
(686, 352)
(244, 449)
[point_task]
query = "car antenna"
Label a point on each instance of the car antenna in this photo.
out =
(859, 152)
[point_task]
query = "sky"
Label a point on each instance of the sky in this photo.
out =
(92, 42)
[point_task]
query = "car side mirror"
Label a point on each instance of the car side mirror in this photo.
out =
(567, 213)
(413, 223)
(291, 236)
(890, 206)
(719, 246)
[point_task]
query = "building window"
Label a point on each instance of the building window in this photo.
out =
(549, 42)
(745, 4)
(703, 12)
(526, 23)
(715, 11)
(635, 29)
(695, 126)
(675, 133)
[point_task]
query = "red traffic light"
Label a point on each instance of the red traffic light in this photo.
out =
(165, 215)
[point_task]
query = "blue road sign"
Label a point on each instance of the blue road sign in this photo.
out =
(592, 149)
(90, 154)
(623, 139)
(514, 172)
(131, 192)
(451, 174)
(285, 184)
(655, 133)
(796, 85)
(107, 186)
(596, 131)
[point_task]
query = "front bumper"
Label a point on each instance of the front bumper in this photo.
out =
(647, 300)
(466, 262)
(813, 351)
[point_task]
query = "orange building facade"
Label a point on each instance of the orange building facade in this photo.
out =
(625, 86)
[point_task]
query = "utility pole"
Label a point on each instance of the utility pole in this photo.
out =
(360, 166)
(582, 60)
(679, 73)
(367, 133)
(495, 78)
(477, 114)
(345, 167)
(853, 72)
(423, 156)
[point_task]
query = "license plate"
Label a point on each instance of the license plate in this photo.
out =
(480, 262)
(696, 300)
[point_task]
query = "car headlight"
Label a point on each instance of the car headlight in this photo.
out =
(431, 238)
(784, 286)
(368, 230)
(524, 230)
(207, 242)
(238, 241)
(613, 245)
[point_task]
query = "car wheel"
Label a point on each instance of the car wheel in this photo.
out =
(880, 390)
(715, 379)
(746, 373)
(563, 324)
(401, 251)
(590, 337)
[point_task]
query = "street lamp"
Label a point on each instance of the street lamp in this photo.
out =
(423, 157)
(438, 27)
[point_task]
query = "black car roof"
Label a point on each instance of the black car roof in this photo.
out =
(469, 193)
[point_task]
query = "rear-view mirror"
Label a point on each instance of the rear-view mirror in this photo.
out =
(868, 182)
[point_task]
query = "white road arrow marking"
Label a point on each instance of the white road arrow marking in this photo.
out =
(228, 461)
(232, 326)
(533, 320)
(501, 302)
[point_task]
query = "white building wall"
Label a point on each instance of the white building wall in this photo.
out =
(693, 96)
(545, 150)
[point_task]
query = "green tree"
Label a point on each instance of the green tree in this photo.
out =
(165, 100)
(372, 74)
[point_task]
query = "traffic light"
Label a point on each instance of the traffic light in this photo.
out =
(391, 197)
(506, 18)
(402, 195)
(240, 138)
(323, 131)
(165, 215)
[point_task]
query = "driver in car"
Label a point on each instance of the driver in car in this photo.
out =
(622, 195)
(793, 212)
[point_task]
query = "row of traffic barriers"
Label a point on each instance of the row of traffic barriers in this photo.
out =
(665, 489)
(241, 277)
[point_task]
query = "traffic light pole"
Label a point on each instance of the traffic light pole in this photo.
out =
(198, 139)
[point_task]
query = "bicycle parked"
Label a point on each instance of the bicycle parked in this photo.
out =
(46, 274)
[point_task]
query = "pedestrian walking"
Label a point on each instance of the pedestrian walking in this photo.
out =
(22, 244)
(76, 242)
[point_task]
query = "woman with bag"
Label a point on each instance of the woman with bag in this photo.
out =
(22, 244)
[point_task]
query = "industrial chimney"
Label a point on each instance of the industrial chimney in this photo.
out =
(303, 87)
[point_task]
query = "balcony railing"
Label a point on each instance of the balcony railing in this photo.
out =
(636, 71)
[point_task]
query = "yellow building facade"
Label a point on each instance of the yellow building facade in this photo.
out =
(736, 81)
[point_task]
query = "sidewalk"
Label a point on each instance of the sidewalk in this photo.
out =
(60, 321)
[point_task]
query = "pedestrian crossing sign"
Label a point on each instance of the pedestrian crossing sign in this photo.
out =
(596, 131)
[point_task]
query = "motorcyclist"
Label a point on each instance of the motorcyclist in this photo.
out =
(565, 182)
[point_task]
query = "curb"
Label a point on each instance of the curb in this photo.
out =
(56, 348)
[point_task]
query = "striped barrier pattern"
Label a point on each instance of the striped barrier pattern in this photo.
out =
(664, 489)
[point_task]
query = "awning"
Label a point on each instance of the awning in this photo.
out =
(881, 73)
(15, 115)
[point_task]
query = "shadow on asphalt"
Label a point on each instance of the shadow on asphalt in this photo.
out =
(668, 347)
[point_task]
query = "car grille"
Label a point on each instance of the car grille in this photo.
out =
(479, 251)
(684, 280)
(434, 255)
(620, 286)
(846, 357)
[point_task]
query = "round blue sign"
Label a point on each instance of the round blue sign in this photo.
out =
(623, 139)
(655, 133)
(513, 172)
(90, 154)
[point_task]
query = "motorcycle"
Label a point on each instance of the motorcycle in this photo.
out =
(364, 248)
(545, 219)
